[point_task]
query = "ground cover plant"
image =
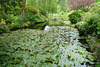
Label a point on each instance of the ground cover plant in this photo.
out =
(54, 47)
(71, 37)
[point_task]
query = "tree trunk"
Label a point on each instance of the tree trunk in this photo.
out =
(2, 7)
(23, 8)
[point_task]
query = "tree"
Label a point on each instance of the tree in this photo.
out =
(2, 2)
(45, 6)
(79, 4)
(62, 4)
(10, 6)
(23, 8)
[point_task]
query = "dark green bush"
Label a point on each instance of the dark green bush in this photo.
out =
(19, 19)
(3, 16)
(90, 25)
(75, 17)
(11, 23)
(14, 26)
(93, 23)
(86, 10)
(98, 28)
(31, 9)
(2, 29)
(11, 18)
(13, 10)
(16, 22)
(83, 27)
(29, 16)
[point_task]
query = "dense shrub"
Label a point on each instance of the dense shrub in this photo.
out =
(2, 26)
(10, 23)
(57, 23)
(90, 25)
(93, 23)
(29, 16)
(3, 16)
(16, 22)
(13, 10)
(82, 26)
(86, 10)
(79, 4)
(93, 44)
(12, 19)
(95, 8)
(75, 17)
(98, 28)
(32, 10)
(86, 16)
(92, 18)
(13, 26)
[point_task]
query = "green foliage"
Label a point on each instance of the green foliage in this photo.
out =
(14, 10)
(31, 9)
(86, 10)
(16, 22)
(3, 16)
(12, 22)
(86, 16)
(30, 16)
(2, 22)
(40, 48)
(95, 8)
(98, 28)
(18, 19)
(62, 5)
(60, 17)
(75, 17)
(93, 22)
(35, 17)
(83, 27)
(94, 46)
(13, 25)
(93, 43)
(91, 19)
(98, 65)
(45, 6)
(57, 23)
(2, 25)
(90, 25)
(40, 18)
(11, 6)
(98, 0)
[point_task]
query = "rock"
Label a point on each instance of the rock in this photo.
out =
(67, 22)
(54, 19)
(46, 27)
(73, 25)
